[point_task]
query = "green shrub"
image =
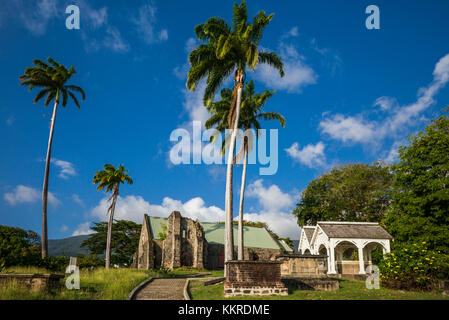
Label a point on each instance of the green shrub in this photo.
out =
(89, 261)
(413, 266)
(55, 264)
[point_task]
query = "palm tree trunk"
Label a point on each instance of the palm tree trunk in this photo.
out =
(229, 236)
(44, 240)
(109, 237)
(242, 195)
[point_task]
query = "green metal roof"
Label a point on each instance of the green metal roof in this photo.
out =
(285, 246)
(214, 233)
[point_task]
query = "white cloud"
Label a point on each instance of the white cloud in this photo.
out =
(385, 103)
(66, 168)
(83, 229)
(134, 207)
(399, 118)
(293, 32)
(97, 32)
(114, 41)
(182, 71)
(275, 209)
(348, 129)
(24, 194)
(272, 198)
(297, 73)
(311, 155)
(145, 23)
(36, 15)
(77, 199)
(193, 103)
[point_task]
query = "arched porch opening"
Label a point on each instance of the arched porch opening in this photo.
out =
(374, 251)
(347, 258)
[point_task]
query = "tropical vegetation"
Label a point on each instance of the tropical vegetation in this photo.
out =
(251, 112)
(124, 240)
(110, 180)
(51, 78)
(226, 49)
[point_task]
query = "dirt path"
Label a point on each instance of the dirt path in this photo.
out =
(162, 289)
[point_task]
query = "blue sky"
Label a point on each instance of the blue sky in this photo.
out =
(349, 95)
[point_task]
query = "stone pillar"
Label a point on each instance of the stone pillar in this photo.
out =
(331, 267)
(172, 242)
(361, 261)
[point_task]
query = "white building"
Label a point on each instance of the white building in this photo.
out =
(341, 241)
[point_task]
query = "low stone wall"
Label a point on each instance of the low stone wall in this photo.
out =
(309, 283)
(253, 278)
(297, 265)
(44, 282)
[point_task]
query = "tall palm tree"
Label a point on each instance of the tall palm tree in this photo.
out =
(225, 50)
(109, 180)
(51, 78)
(251, 113)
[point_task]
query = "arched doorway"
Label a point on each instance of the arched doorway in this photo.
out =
(347, 258)
(322, 251)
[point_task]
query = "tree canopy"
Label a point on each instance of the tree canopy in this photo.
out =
(351, 192)
(125, 240)
(420, 209)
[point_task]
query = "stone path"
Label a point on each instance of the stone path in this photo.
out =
(162, 289)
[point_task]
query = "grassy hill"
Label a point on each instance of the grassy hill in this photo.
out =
(69, 246)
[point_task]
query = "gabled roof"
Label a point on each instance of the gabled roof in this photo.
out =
(308, 230)
(214, 233)
(359, 230)
(285, 246)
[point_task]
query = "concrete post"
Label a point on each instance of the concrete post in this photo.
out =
(361, 261)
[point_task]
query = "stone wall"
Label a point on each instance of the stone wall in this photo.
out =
(38, 282)
(295, 265)
(184, 243)
(145, 251)
(253, 278)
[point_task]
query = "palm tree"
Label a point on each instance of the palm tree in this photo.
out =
(51, 78)
(108, 180)
(251, 113)
(226, 50)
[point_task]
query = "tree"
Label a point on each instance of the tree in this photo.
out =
(109, 180)
(18, 247)
(124, 239)
(420, 210)
(52, 81)
(251, 113)
(352, 192)
(227, 49)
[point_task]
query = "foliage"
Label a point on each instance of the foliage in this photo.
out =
(251, 111)
(54, 264)
(413, 266)
(225, 48)
(254, 224)
(51, 78)
(18, 247)
(124, 241)
(352, 192)
(420, 210)
(89, 261)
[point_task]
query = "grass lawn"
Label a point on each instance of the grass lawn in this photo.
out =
(349, 290)
(99, 284)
